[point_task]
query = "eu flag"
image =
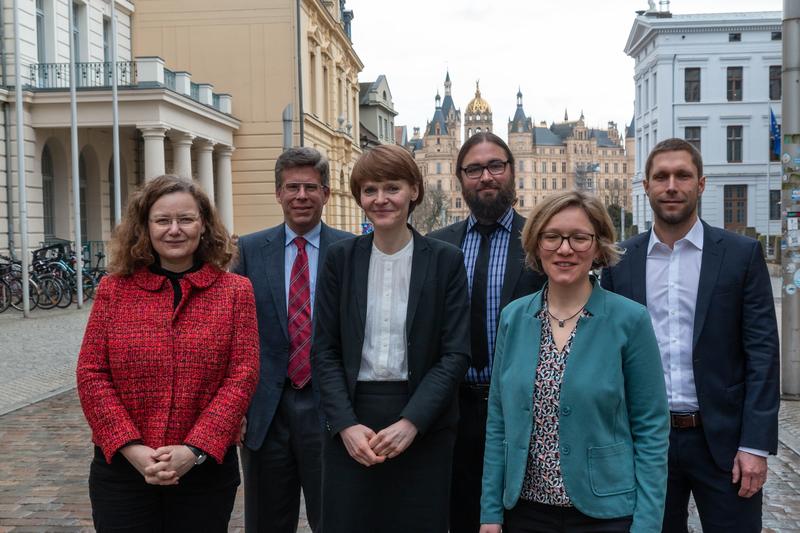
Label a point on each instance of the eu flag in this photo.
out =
(774, 133)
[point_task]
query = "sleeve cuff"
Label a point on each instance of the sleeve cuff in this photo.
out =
(753, 451)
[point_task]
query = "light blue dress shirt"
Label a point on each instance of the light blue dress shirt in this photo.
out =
(290, 254)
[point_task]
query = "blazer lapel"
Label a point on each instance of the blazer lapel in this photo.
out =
(636, 257)
(514, 261)
(419, 274)
(713, 253)
(363, 251)
(272, 255)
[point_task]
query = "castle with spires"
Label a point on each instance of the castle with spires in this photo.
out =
(559, 156)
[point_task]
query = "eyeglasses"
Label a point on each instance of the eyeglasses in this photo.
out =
(166, 222)
(310, 188)
(579, 242)
(495, 168)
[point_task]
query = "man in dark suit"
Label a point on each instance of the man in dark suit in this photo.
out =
(710, 300)
(495, 262)
(282, 445)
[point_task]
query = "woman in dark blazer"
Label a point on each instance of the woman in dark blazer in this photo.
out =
(168, 364)
(578, 427)
(391, 343)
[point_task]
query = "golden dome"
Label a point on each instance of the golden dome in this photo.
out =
(478, 105)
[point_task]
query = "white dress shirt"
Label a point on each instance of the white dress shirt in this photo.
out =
(383, 355)
(673, 277)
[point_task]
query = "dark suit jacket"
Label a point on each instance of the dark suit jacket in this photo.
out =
(518, 280)
(437, 330)
(261, 258)
(735, 356)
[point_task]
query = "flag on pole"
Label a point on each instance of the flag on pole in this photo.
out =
(774, 133)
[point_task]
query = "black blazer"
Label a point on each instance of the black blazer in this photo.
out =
(735, 340)
(437, 329)
(519, 280)
(261, 259)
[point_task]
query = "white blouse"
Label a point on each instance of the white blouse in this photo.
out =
(383, 355)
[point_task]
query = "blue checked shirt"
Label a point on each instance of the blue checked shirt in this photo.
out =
(498, 254)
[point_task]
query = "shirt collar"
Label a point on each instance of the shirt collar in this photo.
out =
(694, 237)
(312, 237)
(506, 220)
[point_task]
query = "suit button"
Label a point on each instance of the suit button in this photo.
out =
(565, 449)
(566, 410)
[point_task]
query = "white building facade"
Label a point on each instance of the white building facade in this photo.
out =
(168, 122)
(712, 79)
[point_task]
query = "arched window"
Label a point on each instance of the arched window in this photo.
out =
(48, 194)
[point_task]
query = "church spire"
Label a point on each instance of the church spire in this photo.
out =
(519, 97)
(566, 117)
(438, 100)
(447, 83)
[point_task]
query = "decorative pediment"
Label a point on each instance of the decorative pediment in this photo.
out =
(638, 32)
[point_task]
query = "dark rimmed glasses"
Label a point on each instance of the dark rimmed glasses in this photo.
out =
(495, 168)
(579, 242)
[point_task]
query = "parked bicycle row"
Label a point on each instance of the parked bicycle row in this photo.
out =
(53, 279)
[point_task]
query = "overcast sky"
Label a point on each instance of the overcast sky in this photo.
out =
(562, 54)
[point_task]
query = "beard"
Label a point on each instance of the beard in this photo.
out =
(491, 208)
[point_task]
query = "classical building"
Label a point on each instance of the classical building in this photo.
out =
(376, 113)
(567, 155)
(712, 79)
(168, 122)
(291, 67)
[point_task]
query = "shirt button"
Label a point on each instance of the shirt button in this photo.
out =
(566, 410)
(565, 449)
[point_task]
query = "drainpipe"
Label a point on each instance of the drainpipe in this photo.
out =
(301, 111)
(7, 134)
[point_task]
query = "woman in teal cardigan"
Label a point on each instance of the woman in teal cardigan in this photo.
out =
(578, 425)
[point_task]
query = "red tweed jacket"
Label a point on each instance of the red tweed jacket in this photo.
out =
(146, 372)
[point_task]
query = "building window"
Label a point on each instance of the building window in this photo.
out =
(522, 166)
(616, 168)
(608, 183)
(605, 168)
(775, 82)
(438, 168)
(563, 183)
(438, 185)
(544, 184)
(458, 202)
(639, 98)
(692, 136)
(777, 36)
(655, 89)
(40, 32)
(734, 144)
(554, 183)
(563, 167)
(554, 167)
(544, 166)
(734, 37)
(735, 207)
(774, 205)
(691, 84)
(734, 84)
(522, 201)
(646, 94)
(624, 168)
(522, 183)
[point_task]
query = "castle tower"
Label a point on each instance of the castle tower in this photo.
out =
(478, 116)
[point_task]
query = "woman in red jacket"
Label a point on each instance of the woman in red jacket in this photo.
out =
(168, 364)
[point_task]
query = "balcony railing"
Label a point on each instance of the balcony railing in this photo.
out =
(57, 75)
(169, 79)
(195, 91)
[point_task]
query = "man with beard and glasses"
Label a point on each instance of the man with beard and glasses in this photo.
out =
(710, 300)
(495, 262)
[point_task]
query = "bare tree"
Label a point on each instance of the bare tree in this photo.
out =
(431, 214)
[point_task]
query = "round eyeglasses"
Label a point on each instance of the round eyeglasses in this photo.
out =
(579, 242)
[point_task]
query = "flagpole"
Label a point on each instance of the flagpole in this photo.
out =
(769, 183)
(76, 184)
(115, 112)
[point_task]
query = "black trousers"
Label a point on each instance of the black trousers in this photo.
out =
(532, 517)
(409, 493)
(289, 459)
(123, 502)
(693, 470)
(465, 500)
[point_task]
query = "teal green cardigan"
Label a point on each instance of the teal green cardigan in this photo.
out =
(614, 423)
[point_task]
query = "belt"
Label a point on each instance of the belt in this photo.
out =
(475, 390)
(685, 420)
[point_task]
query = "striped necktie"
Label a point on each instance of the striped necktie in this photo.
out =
(299, 325)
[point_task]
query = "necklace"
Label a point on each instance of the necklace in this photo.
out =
(562, 321)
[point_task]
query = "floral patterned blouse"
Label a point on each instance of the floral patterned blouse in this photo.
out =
(543, 482)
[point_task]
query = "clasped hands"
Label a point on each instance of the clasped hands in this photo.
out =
(163, 466)
(370, 448)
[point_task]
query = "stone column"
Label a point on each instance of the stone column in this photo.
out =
(224, 198)
(182, 153)
(153, 151)
(205, 166)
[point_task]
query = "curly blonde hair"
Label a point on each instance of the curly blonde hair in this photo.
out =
(130, 243)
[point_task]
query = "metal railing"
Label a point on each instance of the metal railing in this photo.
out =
(57, 75)
(215, 102)
(195, 91)
(169, 79)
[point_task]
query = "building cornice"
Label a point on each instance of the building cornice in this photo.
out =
(333, 26)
